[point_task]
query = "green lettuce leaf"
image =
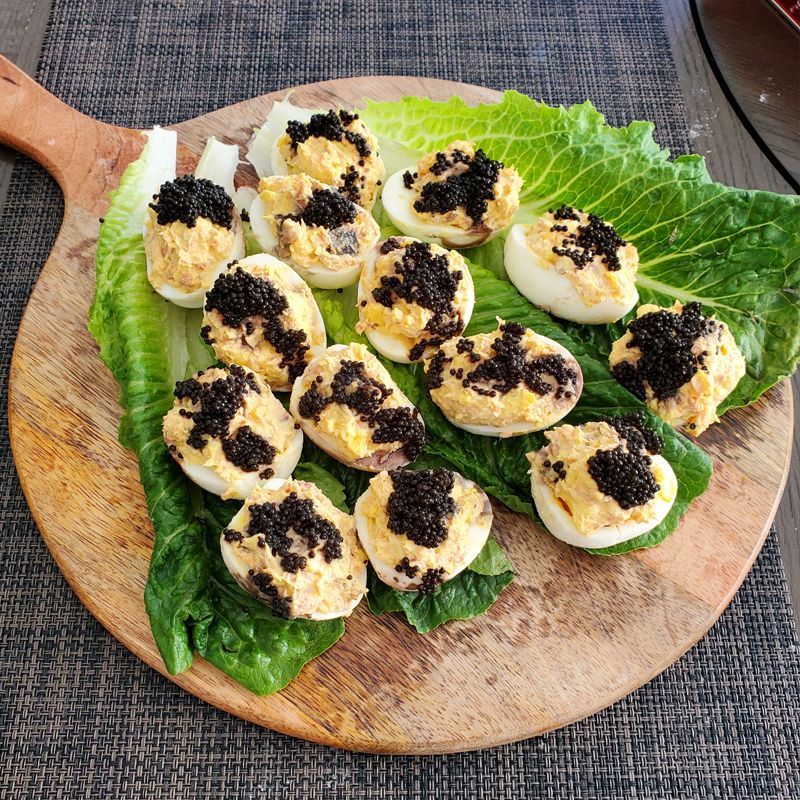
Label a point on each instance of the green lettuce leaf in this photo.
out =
(468, 595)
(191, 599)
(735, 251)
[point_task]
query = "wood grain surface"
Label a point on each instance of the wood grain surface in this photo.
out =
(574, 632)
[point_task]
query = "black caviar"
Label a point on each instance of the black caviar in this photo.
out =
(595, 239)
(364, 395)
(421, 504)
(407, 568)
(241, 298)
(334, 126)
(508, 368)
(217, 403)
(431, 581)
(471, 188)
(665, 340)
(263, 583)
(426, 280)
(623, 472)
(249, 451)
(187, 198)
(326, 209)
(275, 522)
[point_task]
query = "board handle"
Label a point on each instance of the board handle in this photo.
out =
(75, 149)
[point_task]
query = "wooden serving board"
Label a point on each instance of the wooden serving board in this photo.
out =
(572, 634)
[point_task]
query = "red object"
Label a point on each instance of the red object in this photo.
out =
(790, 9)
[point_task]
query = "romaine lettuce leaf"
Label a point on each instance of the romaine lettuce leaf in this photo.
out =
(735, 251)
(192, 601)
(468, 595)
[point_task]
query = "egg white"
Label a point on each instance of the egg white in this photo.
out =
(476, 535)
(239, 567)
(319, 277)
(262, 150)
(207, 477)
(551, 290)
(560, 523)
(381, 460)
(218, 163)
(398, 203)
(395, 348)
(519, 428)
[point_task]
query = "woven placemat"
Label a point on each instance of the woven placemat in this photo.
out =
(80, 716)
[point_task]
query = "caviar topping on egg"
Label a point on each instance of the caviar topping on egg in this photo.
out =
(413, 297)
(348, 404)
(262, 315)
(602, 483)
(420, 528)
(295, 551)
(505, 383)
(227, 431)
(682, 363)
(457, 196)
(322, 234)
(336, 148)
(574, 265)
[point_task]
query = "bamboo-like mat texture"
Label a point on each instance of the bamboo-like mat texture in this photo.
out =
(80, 717)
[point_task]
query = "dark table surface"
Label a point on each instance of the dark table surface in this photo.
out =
(733, 157)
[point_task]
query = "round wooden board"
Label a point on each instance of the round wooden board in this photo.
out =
(573, 634)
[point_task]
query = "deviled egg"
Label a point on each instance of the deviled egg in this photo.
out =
(290, 547)
(348, 405)
(413, 296)
(192, 230)
(313, 228)
(573, 265)
(505, 383)
(602, 483)
(335, 147)
(682, 363)
(227, 431)
(261, 314)
(422, 528)
(458, 197)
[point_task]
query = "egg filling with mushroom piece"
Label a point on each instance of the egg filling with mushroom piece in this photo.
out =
(336, 148)
(228, 431)
(191, 232)
(422, 528)
(574, 265)
(602, 483)
(349, 406)
(505, 383)
(312, 227)
(290, 547)
(262, 315)
(413, 296)
(682, 363)
(458, 197)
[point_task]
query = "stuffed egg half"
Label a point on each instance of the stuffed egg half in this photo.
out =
(227, 431)
(334, 147)
(192, 229)
(602, 483)
(573, 265)
(420, 528)
(682, 363)
(290, 547)
(348, 405)
(505, 383)
(413, 296)
(458, 197)
(262, 315)
(312, 227)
